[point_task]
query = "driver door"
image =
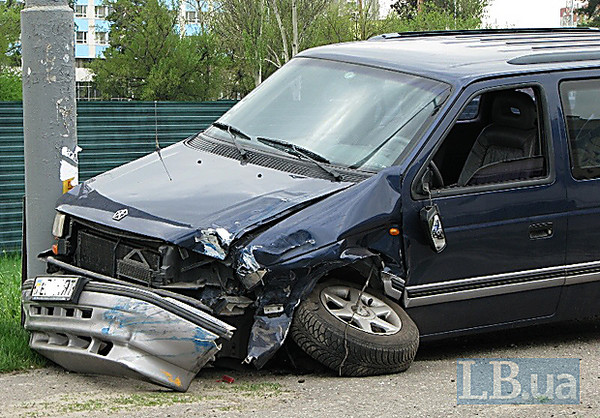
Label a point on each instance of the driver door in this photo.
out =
(505, 236)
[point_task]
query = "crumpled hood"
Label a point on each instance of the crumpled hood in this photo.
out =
(201, 201)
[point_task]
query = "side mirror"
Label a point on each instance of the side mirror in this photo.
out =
(434, 230)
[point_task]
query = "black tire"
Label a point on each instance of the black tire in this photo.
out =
(321, 335)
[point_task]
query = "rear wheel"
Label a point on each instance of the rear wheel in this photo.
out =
(361, 334)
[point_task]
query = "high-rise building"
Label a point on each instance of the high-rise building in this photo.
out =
(92, 31)
(91, 28)
(91, 39)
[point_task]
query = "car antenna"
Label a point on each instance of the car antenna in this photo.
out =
(157, 144)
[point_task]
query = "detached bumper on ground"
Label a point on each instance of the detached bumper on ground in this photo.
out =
(124, 331)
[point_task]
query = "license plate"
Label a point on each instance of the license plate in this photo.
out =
(55, 288)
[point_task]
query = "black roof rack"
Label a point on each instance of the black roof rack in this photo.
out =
(482, 32)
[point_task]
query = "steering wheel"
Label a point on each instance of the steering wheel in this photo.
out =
(437, 180)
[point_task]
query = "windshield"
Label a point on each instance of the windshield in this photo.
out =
(351, 115)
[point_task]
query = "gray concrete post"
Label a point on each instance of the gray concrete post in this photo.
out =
(49, 117)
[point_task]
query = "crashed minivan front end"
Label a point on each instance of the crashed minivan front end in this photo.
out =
(209, 247)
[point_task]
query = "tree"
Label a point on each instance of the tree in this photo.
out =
(10, 85)
(242, 26)
(10, 31)
(294, 19)
(365, 16)
(10, 50)
(359, 20)
(262, 35)
(204, 13)
(591, 13)
(334, 25)
(148, 60)
(344, 21)
(457, 14)
(463, 9)
(407, 9)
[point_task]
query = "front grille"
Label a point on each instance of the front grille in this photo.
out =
(133, 271)
(116, 257)
(95, 253)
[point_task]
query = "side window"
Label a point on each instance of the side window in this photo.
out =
(497, 138)
(581, 107)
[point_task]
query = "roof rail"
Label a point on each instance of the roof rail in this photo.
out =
(482, 32)
(546, 58)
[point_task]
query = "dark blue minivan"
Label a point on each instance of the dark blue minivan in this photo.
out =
(366, 196)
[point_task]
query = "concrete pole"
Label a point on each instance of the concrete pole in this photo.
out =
(49, 118)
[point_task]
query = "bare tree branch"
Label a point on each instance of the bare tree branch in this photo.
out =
(282, 31)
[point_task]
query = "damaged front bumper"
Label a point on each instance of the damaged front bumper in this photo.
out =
(124, 331)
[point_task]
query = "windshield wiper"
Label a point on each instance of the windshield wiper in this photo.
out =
(300, 152)
(232, 130)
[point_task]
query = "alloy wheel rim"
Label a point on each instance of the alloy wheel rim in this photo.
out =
(371, 315)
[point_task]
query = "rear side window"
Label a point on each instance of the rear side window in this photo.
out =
(581, 106)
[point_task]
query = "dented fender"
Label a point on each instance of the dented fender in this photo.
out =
(290, 257)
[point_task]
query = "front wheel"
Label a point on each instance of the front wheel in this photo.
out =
(366, 334)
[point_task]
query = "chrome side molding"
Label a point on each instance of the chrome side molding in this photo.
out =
(499, 284)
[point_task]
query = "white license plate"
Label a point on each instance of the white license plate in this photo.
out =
(57, 288)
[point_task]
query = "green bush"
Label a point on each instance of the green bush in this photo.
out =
(10, 86)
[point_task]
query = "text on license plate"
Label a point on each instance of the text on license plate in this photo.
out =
(58, 288)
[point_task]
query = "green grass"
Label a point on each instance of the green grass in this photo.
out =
(14, 349)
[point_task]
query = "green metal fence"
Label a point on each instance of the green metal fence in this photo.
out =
(110, 134)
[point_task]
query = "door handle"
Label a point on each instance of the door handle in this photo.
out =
(541, 230)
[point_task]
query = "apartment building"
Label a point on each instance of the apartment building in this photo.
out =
(91, 37)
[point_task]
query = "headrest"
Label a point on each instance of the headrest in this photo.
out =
(515, 109)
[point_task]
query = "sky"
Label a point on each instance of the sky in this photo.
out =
(524, 13)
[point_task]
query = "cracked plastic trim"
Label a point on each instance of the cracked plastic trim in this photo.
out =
(121, 331)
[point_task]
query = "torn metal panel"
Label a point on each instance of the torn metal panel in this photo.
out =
(346, 228)
(214, 242)
(287, 284)
(115, 330)
(248, 269)
(360, 215)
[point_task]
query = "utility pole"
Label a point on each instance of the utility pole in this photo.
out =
(49, 118)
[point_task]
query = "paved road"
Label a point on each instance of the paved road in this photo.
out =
(428, 388)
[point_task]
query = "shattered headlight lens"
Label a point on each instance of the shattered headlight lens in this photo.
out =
(58, 226)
